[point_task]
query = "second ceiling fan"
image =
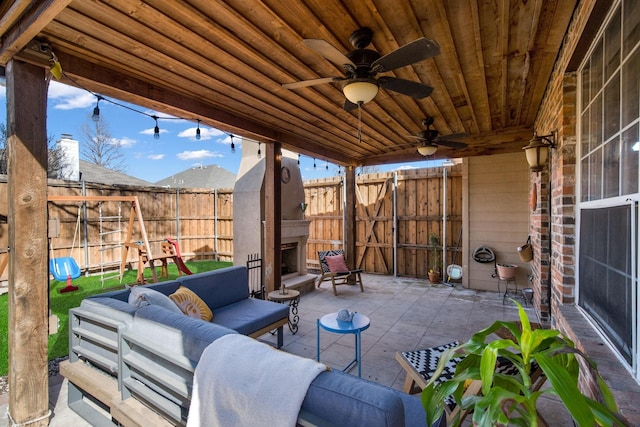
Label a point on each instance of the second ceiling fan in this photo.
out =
(430, 139)
(362, 65)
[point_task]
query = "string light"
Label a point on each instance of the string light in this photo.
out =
(314, 162)
(96, 109)
(327, 167)
(156, 130)
(259, 152)
(298, 159)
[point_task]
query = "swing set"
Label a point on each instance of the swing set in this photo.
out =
(64, 268)
(67, 269)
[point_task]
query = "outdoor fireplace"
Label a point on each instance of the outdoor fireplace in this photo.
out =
(248, 214)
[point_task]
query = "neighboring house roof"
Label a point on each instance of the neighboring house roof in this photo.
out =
(207, 176)
(101, 175)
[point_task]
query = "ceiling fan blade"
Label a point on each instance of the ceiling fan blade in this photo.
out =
(405, 87)
(329, 51)
(451, 144)
(312, 82)
(410, 53)
(349, 106)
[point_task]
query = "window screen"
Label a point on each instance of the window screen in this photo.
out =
(606, 285)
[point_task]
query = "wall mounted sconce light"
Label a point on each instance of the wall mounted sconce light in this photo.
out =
(537, 151)
(303, 206)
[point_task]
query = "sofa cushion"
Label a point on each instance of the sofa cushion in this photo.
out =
(219, 288)
(176, 333)
(345, 400)
(250, 315)
(191, 304)
(141, 297)
(166, 288)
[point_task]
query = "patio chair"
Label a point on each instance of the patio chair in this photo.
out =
(334, 269)
(420, 366)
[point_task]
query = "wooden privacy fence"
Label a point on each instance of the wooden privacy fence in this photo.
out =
(93, 232)
(395, 215)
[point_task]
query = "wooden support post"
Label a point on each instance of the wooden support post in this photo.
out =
(273, 218)
(28, 271)
(350, 218)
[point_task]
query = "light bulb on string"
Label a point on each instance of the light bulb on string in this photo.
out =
(96, 110)
(233, 146)
(198, 131)
(259, 152)
(298, 159)
(327, 166)
(156, 130)
(314, 162)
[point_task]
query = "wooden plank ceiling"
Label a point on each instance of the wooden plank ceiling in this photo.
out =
(224, 62)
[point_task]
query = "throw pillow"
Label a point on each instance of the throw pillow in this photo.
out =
(191, 304)
(336, 264)
(140, 297)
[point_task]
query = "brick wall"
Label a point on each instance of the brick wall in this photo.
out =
(559, 112)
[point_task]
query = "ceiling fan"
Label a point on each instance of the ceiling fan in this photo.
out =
(361, 66)
(430, 140)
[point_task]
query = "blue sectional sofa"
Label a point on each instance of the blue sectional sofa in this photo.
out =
(137, 364)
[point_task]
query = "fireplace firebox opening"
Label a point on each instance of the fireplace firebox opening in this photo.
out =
(289, 258)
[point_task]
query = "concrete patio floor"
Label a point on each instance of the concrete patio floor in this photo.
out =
(405, 313)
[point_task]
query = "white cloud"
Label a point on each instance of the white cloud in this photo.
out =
(406, 167)
(150, 131)
(155, 156)
(197, 155)
(205, 133)
(123, 142)
(66, 97)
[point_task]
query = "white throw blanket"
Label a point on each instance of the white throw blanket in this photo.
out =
(242, 382)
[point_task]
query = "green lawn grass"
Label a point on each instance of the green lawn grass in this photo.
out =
(59, 304)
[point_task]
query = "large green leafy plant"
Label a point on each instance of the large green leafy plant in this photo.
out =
(507, 399)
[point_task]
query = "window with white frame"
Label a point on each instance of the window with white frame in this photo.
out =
(609, 147)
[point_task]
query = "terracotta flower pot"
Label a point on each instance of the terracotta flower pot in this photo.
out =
(507, 271)
(434, 277)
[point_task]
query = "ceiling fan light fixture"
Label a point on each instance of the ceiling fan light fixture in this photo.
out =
(360, 91)
(427, 150)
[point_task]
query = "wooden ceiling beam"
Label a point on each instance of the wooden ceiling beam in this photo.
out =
(179, 76)
(494, 142)
(128, 89)
(23, 24)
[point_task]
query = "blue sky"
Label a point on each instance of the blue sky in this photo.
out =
(176, 150)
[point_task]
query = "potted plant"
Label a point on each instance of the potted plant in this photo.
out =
(512, 399)
(434, 270)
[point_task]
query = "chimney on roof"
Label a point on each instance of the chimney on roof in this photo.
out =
(70, 151)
